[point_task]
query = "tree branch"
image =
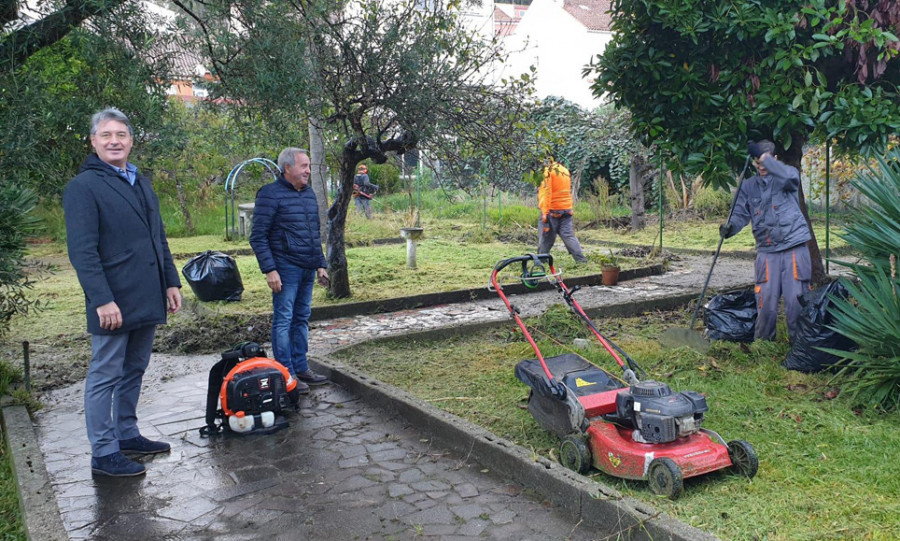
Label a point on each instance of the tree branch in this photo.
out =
(17, 46)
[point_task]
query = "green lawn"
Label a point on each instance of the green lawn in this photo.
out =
(827, 470)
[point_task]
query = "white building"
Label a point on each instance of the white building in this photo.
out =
(559, 38)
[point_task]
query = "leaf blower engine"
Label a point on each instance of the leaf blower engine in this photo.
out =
(657, 414)
(248, 392)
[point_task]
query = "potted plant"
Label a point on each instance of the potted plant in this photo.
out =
(609, 266)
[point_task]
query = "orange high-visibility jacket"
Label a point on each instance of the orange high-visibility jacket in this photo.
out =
(555, 192)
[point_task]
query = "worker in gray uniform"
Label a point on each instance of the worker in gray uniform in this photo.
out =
(770, 202)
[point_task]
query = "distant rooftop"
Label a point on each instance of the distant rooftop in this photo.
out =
(593, 14)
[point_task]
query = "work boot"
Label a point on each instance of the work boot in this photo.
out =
(116, 465)
(142, 446)
(301, 387)
(311, 378)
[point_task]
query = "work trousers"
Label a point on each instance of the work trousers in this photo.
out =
(559, 223)
(780, 274)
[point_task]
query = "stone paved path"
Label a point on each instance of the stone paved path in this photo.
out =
(341, 471)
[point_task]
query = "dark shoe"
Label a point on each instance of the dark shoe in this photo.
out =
(301, 388)
(311, 378)
(142, 446)
(116, 465)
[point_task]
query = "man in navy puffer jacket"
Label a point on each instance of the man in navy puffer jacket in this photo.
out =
(285, 238)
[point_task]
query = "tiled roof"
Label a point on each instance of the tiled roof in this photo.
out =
(591, 13)
(501, 16)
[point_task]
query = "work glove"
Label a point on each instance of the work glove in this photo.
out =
(754, 150)
(726, 230)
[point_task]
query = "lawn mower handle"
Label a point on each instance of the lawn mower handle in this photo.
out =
(523, 258)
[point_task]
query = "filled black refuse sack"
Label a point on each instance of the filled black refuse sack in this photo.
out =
(214, 276)
(731, 316)
(813, 331)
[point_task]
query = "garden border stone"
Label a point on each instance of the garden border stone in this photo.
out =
(37, 502)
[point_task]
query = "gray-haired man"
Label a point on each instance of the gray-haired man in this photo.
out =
(117, 245)
(770, 202)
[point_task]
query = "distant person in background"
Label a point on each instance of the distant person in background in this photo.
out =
(555, 202)
(363, 190)
(117, 245)
(285, 239)
(770, 202)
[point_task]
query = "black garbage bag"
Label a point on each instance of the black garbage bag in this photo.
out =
(813, 331)
(214, 276)
(731, 316)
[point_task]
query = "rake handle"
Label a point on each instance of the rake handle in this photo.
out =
(719, 248)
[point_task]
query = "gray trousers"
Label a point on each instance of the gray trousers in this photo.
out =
(363, 204)
(563, 227)
(113, 386)
(780, 274)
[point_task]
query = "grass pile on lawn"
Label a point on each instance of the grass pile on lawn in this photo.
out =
(827, 471)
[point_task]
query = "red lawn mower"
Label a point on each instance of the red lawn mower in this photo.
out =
(622, 426)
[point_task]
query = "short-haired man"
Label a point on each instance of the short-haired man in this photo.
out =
(770, 202)
(285, 238)
(117, 245)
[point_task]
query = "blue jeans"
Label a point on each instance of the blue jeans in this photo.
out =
(290, 317)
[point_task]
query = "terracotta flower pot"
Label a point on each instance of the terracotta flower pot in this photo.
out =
(610, 276)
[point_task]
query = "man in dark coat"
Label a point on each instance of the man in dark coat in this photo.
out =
(285, 238)
(117, 245)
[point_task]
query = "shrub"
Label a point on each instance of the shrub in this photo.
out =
(711, 203)
(387, 177)
(872, 316)
(16, 223)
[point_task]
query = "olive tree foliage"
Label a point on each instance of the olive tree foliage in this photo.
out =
(701, 78)
(46, 100)
(387, 76)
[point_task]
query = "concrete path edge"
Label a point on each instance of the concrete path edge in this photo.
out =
(37, 501)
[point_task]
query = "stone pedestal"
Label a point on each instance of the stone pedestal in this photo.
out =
(412, 236)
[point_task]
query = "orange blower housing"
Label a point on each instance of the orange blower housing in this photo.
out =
(248, 392)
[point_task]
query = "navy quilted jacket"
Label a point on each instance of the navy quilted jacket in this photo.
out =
(286, 227)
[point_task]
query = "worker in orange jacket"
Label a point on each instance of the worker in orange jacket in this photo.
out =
(555, 202)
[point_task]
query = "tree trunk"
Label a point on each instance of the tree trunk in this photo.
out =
(318, 179)
(794, 156)
(636, 184)
(335, 250)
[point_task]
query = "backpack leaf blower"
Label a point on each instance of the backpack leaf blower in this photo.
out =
(248, 392)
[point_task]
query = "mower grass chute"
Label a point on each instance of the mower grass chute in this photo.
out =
(624, 426)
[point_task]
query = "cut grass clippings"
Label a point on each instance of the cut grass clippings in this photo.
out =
(827, 471)
(376, 273)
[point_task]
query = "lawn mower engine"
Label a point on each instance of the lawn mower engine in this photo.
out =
(657, 414)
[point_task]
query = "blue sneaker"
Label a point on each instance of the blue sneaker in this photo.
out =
(116, 465)
(142, 446)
